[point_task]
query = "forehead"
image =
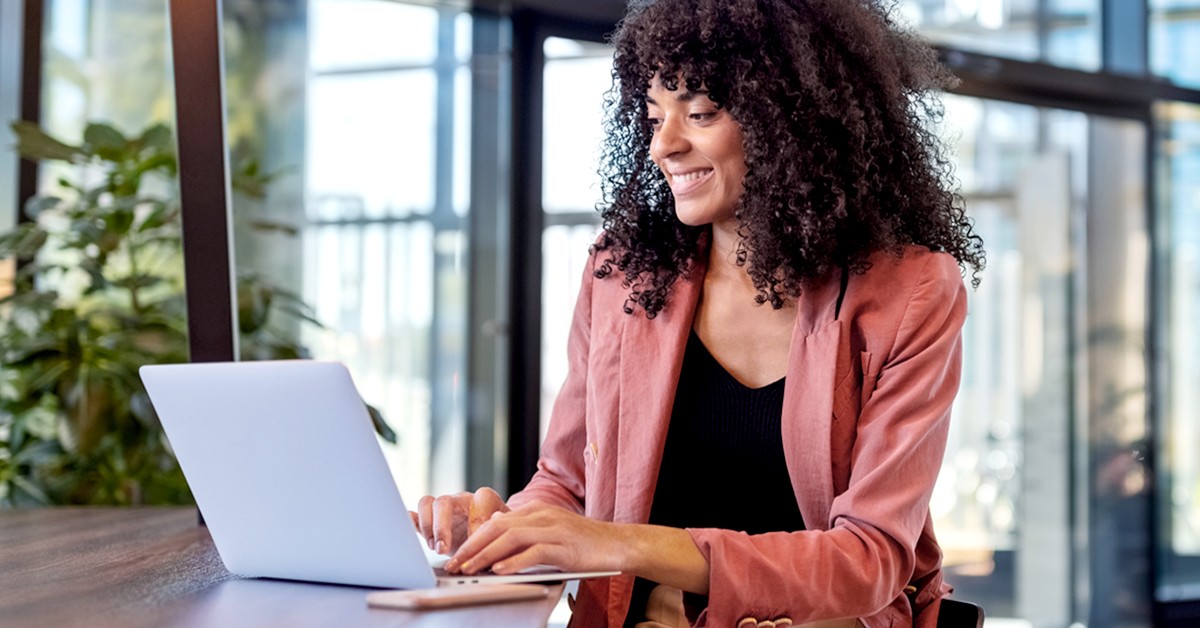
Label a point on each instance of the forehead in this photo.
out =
(658, 93)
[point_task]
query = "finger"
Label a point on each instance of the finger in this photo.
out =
(485, 535)
(443, 523)
(425, 519)
(485, 504)
(532, 556)
(504, 546)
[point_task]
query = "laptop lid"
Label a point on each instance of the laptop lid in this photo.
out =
(284, 464)
(286, 469)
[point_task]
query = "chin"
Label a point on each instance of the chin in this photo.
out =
(692, 221)
(698, 217)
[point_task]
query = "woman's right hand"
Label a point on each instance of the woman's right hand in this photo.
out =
(448, 520)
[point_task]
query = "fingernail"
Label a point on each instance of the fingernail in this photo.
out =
(499, 567)
(452, 565)
(441, 547)
(495, 514)
(429, 542)
(466, 567)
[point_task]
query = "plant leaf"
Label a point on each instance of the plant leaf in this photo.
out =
(382, 428)
(24, 241)
(38, 204)
(31, 490)
(34, 143)
(159, 216)
(157, 137)
(164, 161)
(268, 226)
(104, 141)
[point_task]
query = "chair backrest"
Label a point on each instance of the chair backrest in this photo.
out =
(959, 614)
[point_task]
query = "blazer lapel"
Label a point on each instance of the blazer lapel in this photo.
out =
(815, 367)
(651, 360)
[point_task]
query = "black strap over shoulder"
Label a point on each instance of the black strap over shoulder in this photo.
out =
(842, 293)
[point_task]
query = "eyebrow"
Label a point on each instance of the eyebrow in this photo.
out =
(684, 96)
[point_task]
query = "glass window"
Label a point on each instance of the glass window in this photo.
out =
(381, 34)
(11, 43)
(1175, 40)
(385, 188)
(358, 112)
(1179, 494)
(1057, 215)
(1015, 369)
(112, 274)
(576, 75)
(355, 124)
(1062, 32)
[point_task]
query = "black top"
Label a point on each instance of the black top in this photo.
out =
(723, 464)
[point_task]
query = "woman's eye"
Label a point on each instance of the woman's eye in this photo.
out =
(702, 116)
(654, 122)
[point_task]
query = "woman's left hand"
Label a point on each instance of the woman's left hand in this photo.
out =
(541, 534)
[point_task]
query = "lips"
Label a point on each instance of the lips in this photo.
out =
(683, 182)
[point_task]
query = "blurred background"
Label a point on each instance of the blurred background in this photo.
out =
(418, 183)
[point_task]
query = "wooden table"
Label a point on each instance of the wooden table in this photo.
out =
(156, 567)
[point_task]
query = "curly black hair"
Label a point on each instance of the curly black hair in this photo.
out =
(836, 105)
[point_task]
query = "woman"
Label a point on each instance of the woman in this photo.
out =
(767, 340)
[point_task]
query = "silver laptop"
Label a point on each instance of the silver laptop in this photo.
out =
(285, 466)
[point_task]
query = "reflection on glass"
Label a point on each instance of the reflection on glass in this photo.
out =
(1062, 32)
(1117, 502)
(1175, 40)
(1179, 495)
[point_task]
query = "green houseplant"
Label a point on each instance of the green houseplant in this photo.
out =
(98, 292)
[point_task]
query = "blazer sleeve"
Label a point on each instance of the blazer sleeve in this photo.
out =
(559, 479)
(861, 563)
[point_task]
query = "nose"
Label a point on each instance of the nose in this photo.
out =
(669, 139)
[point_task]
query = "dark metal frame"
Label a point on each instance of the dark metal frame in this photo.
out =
(31, 95)
(489, 224)
(204, 189)
(530, 30)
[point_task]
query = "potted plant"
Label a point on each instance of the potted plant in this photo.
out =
(98, 292)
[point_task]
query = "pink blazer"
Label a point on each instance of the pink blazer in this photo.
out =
(866, 410)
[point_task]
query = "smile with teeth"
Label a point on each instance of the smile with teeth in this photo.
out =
(683, 183)
(690, 176)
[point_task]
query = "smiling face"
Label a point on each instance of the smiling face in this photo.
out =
(698, 147)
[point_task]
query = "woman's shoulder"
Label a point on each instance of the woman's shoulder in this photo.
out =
(896, 282)
(912, 265)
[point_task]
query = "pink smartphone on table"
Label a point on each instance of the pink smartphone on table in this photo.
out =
(449, 597)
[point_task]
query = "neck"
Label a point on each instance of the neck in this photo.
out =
(722, 255)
